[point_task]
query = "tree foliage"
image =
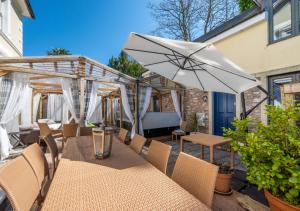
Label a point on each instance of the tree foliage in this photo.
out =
(126, 65)
(58, 51)
(271, 153)
(187, 19)
(245, 4)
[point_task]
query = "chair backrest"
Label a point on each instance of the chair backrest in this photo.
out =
(137, 143)
(123, 134)
(37, 160)
(196, 176)
(51, 144)
(158, 155)
(19, 182)
(183, 125)
(86, 131)
(44, 129)
(70, 130)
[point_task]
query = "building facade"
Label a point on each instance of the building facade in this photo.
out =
(265, 42)
(11, 27)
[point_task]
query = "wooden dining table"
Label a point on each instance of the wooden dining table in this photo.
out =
(124, 181)
(210, 141)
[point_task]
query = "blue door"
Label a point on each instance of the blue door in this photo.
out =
(224, 111)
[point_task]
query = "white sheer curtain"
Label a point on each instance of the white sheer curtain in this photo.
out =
(92, 103)
(55, 107)
(26, 109)
(176, 104)
(127, 109)
(67, 95)
(145, 108)
(36, 101)
(97, 114)
(17, 97)
(65, 113)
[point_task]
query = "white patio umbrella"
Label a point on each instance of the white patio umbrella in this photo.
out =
(194, 65)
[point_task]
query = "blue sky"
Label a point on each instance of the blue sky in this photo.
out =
(94, 28)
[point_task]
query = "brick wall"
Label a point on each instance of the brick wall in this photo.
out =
(193, 102)
(252, 97)
(167, 103)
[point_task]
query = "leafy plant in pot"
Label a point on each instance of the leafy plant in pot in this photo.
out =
(271, 154)
(223, 182)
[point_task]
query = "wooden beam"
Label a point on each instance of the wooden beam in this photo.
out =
(41, 77)
(3, 73)
(38, 59)
(35, 71)
(45, 84)
(111, 110)
(121, 111)
(106, 89)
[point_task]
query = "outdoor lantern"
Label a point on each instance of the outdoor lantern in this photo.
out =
(102, 139)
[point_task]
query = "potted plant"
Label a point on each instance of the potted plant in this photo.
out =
(271, 154)
(223, 182)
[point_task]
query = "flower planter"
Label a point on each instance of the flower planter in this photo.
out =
(277, 204)
(223, 183)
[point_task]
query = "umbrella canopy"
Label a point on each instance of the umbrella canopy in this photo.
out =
(194, 65)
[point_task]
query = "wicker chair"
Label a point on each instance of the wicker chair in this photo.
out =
(20, 184)
(196, 176)
(158, 155)
(137, 143)
(69, 130)
(123, 134)
(51, 144)
(86, 131)
(45, 130)
(37, 160)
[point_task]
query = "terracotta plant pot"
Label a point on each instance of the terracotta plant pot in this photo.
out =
(277, 204)
(223, 182)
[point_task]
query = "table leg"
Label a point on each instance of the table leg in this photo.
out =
(202, 151)
(211, 154)
(181, 145)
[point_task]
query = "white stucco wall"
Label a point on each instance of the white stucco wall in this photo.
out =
(11, 42)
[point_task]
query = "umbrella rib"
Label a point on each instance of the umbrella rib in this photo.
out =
(218, 79)
(173, 62)
(176, 59)
(161, 45)
(197, 76)
(144, 51)
(251, 79)
(197, 51)
(169, 60)
(176, 73)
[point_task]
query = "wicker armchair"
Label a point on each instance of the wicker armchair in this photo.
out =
(86, 131)
(196, 176)
(158, 155)
(137, 143)
(20, 184)
(69, 130)
(123, 134)
(51, 144)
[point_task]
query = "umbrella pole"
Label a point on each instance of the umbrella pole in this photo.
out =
(246, 113)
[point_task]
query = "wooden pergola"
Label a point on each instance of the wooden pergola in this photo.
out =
(74, 67)
(84, 69)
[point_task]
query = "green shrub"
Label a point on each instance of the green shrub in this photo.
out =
(271, 153)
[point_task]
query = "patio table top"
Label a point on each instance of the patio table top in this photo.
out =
(124, 181)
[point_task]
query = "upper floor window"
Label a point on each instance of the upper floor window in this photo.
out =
(5, 6)
(284, 19)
